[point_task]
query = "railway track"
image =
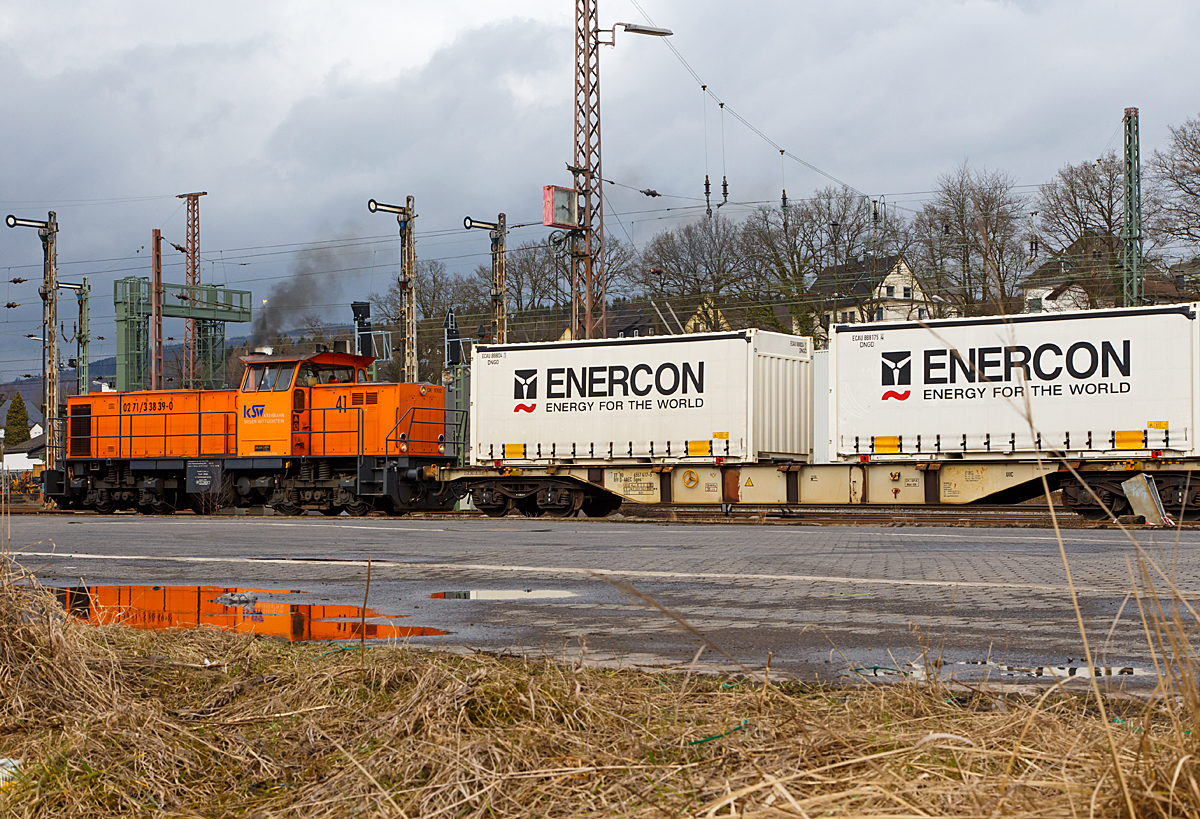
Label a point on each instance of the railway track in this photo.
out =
(993, 516)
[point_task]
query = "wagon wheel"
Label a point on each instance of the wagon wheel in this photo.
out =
(528, 507)
(600, 507)
(497, 510)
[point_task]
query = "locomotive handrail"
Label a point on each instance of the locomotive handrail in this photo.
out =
(325, 431)
(451, 444)
(65, 438)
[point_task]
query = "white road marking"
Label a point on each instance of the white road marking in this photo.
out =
(959, 533)
(379, 565)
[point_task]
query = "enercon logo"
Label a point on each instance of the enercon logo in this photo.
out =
(524, 388)
(897, 372)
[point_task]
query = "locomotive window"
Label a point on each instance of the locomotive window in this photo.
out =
(336, 375)
(267, 382)
(306, 378)
(249, 382)
(362, 376)
(284, 379)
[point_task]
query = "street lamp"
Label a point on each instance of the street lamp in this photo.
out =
(48, 231)
(499, 234)
(588, 306)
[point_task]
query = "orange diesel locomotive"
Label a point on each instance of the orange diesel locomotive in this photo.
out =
(302, 432)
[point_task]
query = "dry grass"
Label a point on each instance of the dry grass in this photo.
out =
(116, 722)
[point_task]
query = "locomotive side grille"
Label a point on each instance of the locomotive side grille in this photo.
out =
(372, 398)
(81, 431)
(356, 399)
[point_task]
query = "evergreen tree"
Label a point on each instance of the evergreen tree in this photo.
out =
(16, 426)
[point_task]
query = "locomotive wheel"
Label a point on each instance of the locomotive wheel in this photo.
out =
(165, 504)
(289, 509)
(358, 508)
(528, 507)
(105, 505)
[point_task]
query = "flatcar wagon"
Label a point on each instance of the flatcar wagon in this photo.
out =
(941, 412)
(302, 432)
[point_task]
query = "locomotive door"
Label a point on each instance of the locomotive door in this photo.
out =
(301, 420)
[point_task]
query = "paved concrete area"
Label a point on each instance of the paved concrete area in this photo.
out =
(820, 599)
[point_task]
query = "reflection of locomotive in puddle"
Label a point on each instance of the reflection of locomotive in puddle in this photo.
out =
(182, 607)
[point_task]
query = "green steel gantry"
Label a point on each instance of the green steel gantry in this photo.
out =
(1131, 234)
(209, 306)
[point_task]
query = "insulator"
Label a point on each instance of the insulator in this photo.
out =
(725, 188)
(12, 304)
(784, 199)
(875, 212)
(707, 187)
(18, 281)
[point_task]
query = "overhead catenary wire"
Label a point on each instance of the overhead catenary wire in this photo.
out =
(753, 128)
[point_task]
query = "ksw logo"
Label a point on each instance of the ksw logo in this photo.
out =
(255, 411)
(524, 389)
(897, 372)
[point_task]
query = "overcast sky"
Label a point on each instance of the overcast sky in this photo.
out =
(291, 115)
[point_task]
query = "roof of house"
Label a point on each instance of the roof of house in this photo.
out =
(31, 409)
(33, 446)
(859, 277)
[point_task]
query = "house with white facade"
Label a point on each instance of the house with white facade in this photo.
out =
(872, 288)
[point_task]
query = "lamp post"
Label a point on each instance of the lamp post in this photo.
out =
(405, 214)
(588, 284)
(48, 231)
(499, 234)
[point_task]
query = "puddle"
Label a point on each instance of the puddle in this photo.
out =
(503, 594)
(179, 607)
(979, 668)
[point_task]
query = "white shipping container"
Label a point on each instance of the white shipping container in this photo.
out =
(1087, 382)
(741, 396)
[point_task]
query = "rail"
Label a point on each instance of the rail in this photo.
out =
(77, 437)
(451, 421)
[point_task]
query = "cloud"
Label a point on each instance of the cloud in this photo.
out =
(292, 114)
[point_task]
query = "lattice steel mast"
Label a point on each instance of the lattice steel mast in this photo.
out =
(1131, 233)
(589, 313)
(191, 280)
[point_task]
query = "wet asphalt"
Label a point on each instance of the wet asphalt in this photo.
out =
(820, 601)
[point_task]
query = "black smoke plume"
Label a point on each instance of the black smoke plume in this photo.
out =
(315, 282)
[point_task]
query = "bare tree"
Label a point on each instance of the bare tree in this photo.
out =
(968, 243)
(1080, 215)
(1176, 174)
(782, 268)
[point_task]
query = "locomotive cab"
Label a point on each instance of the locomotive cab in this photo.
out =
(276, 407)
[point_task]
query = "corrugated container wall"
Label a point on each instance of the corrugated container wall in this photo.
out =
(1095, 381)
(742, 396)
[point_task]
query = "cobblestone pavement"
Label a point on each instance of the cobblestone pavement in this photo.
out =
(820, 599)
